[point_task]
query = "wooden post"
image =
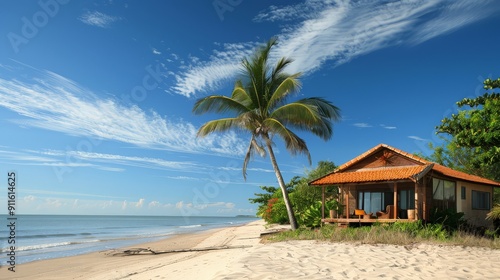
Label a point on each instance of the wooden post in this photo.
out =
(395, 214)
(347, 201)
(424, 200)
(417, 210)
(341, 199)
(322, 201)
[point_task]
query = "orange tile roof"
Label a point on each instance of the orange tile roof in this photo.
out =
(374, 175)
(339, 176)
(462, 175)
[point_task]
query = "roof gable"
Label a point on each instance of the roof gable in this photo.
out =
(382, 158)
(381, 155)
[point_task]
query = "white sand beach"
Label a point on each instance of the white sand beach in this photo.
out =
(252, 259)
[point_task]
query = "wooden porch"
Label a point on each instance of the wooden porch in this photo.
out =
(348, 197)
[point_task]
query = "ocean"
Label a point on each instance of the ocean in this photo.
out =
(40, 237)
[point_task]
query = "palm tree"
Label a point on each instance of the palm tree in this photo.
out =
(260, 106)
(494, 214)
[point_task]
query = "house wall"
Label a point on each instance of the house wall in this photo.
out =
(423, 199)
(427, 203)
(473, 216)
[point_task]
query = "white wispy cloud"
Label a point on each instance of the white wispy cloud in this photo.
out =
(65, 194)
(49, 159)
(98, 19)
(367, 125)
(144, 162)
(52, 102)
(454, 16)
(202, 206)
(388, 126)
(221, 66)
(305, 10)
(416, 138)
(101, 161)
(333, 32)
(10, 155)
(362, 125)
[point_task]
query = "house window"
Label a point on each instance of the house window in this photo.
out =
(372, 202)
(481, 200)
(463, 192)
(443, 194)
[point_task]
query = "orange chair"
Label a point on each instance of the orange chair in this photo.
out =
(388, 214)
(361, 213)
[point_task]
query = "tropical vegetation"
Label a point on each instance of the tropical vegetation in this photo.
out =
(473, 144)
(477, 129)
(399, 233)
(306, 200)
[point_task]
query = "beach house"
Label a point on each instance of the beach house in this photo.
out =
(386, 184)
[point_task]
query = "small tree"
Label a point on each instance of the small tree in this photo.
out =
(262, 199)
(304, 198)
(479, 126)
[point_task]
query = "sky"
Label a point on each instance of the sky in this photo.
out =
(96, 97)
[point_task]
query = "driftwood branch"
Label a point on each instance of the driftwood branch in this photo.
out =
(137, 251)
(273, 231)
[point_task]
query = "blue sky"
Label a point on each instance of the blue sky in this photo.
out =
(96, 96)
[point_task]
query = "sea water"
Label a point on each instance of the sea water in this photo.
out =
(39, 237)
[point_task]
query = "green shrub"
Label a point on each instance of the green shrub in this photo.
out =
(436, 231)
(311, 217)
(449, 218)
(411, 228)
(275, 212)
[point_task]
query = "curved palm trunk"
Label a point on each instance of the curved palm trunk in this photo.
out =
(288, 204)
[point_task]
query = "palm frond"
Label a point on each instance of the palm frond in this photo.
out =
(288, 85)
(296, 113)
(241, 96)
(256, 69)
(325, 107)
(217, 104)
(279, 68)
(220, 125)
(252, 148)
(494, 214)
(294, 144)
(255, 83)
(311, 114)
